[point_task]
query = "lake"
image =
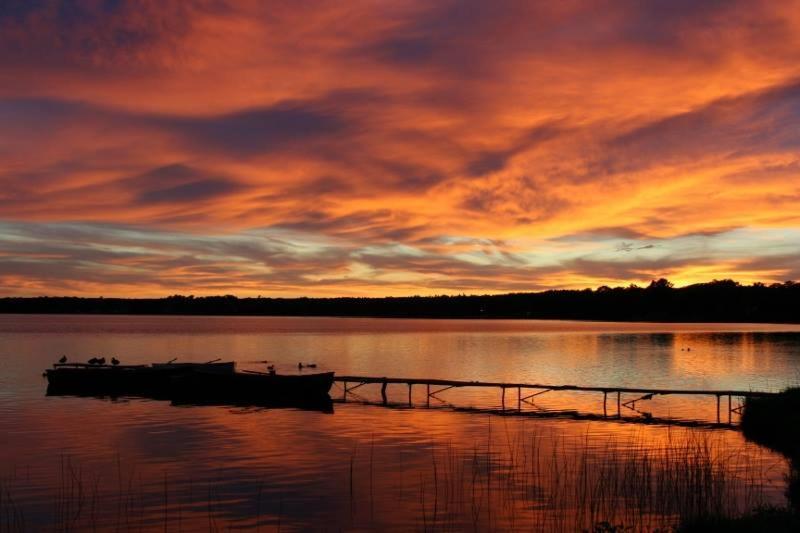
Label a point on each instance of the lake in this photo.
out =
(129, 464)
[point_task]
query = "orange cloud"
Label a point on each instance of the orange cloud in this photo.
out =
(398, 138)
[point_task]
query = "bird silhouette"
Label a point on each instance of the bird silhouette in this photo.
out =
(93, 361)
(299, 366)
(101, 361)
(114, 361)
(311, 365)
(63, 359)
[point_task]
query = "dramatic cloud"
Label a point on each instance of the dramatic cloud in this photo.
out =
(395, 147)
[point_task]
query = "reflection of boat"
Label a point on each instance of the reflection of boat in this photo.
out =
(252, 386)
(322, 404)
(153, 379)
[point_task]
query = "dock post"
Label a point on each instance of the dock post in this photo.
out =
(345, 390)
(503, 398)
(619, 405)
(718, 409)
(730, 416)
(428, 396)
(605, 402)
(383, 391)
(409, 394)
(519, 398)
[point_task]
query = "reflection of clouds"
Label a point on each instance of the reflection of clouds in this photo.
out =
(299, 475)
(439, 127)
(298, 461)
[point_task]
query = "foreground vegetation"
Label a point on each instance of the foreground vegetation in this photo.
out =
(773, 422)
(765, 519)
(718, 301)
(532, 481)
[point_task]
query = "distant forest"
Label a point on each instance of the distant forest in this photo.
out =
(717, 301)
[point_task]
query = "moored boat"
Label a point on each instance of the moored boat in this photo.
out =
(251, 386)
(211, 382)
(215, 367)
(116, 380)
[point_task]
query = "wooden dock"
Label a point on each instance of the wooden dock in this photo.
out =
(527, 391)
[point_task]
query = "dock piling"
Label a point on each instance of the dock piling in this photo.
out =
(730, 410)
(436, 386)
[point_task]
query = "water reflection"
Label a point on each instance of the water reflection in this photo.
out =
(322, 404)
(138, 463)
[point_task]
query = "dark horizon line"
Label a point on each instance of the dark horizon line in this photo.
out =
(661, 282)
(715, 301)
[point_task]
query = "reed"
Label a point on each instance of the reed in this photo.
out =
(635, 487)
(527, 479)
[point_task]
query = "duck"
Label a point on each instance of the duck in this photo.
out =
(93, 361)
(114, 361)
(63, 359)
(101, 361)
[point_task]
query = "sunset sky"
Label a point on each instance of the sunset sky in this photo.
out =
(152, 147)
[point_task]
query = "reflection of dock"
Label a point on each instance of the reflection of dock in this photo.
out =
(526, 392)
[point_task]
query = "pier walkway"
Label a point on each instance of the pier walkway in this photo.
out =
(527, 391)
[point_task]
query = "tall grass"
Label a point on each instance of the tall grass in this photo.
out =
(562, 487)
(527, 480)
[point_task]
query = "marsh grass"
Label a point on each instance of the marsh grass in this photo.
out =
(566, 487)
(524, 480)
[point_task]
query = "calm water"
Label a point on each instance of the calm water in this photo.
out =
(136, 464)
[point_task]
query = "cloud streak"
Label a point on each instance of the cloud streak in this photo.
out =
(419, 147)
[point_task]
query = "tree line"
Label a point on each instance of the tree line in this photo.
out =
(717, 301)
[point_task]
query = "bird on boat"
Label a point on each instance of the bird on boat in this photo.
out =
(63, 359)
(101, 361)
(114, 361)
(93, 361)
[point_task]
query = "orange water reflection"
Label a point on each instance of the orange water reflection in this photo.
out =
(132, 464)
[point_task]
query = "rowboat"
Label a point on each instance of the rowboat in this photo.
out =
(146, 380)
(215, 367)
(251, 387)
(211, 382)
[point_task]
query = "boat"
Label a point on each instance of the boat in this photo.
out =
(216, 367)
(118, 380)
(251, 387)
(211, 382)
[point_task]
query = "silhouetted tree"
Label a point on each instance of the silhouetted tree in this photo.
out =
(719, 300)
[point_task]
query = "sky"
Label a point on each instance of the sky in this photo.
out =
(370, 148)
